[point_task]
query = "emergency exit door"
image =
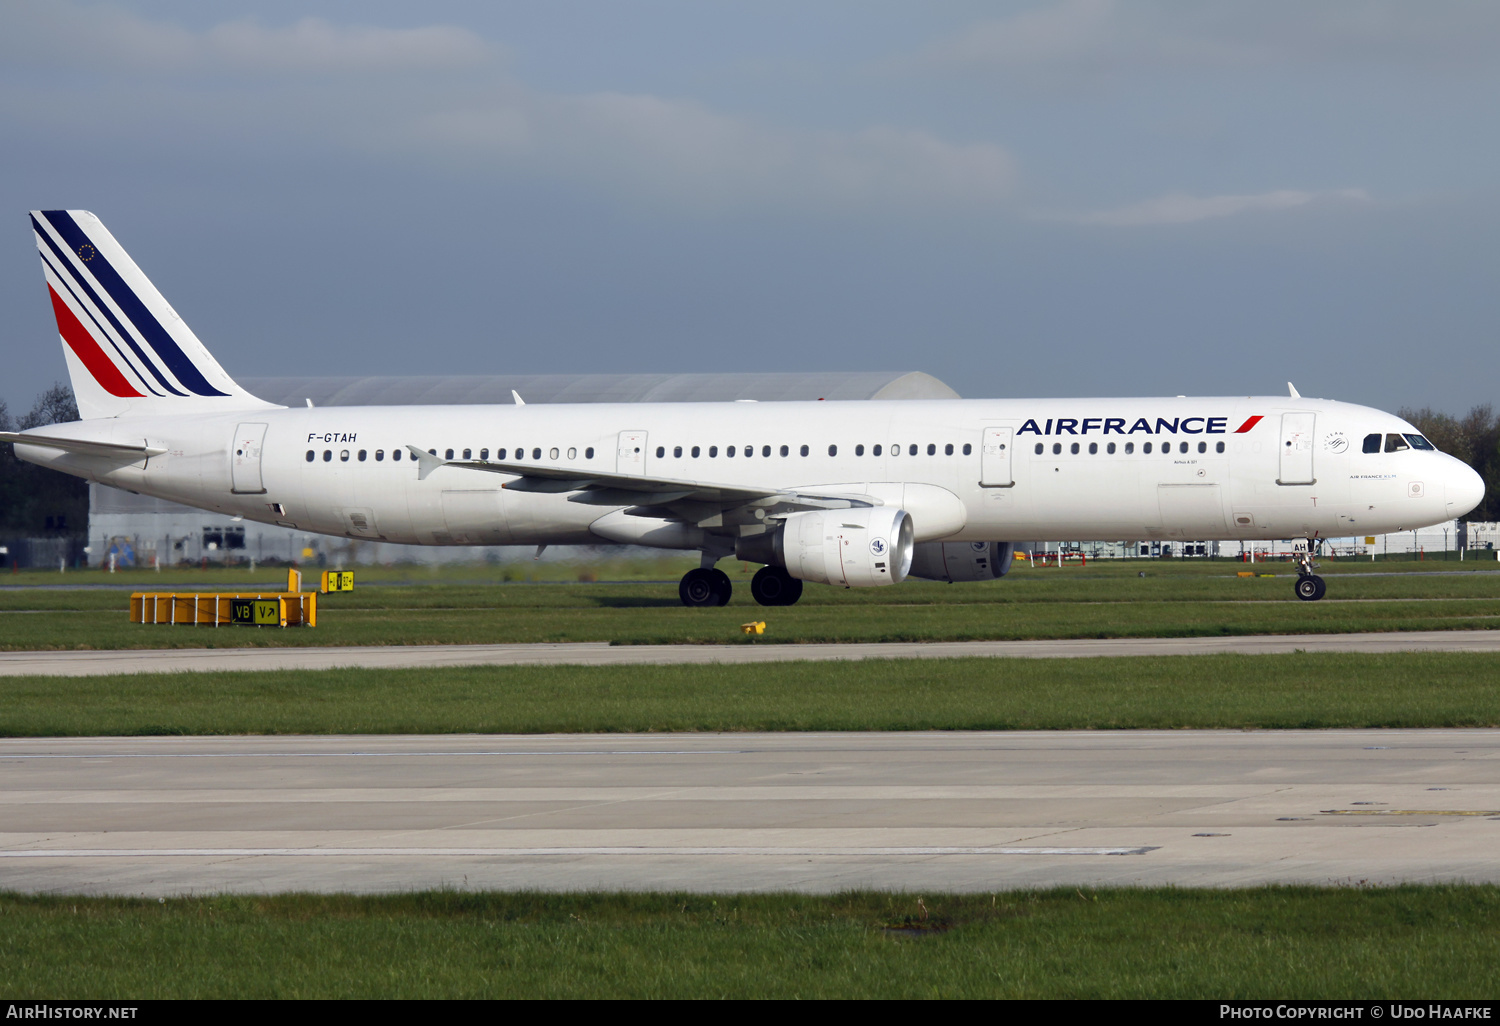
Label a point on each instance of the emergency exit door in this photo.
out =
(630, 457)
(1297, 449)
(994, 457)
(244, 460)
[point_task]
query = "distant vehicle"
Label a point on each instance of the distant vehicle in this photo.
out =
(856, 494)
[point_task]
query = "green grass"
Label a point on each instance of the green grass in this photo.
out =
(1303, 690)
(1202, 599)
(1281, 942)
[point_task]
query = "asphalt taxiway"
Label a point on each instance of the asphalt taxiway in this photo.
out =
(100, 662)
(738, 812)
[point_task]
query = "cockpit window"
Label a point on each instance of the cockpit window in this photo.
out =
(1418, 442)
(1372, 442)
(1395, 443)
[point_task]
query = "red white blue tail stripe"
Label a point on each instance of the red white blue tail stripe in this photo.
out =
(128, 349)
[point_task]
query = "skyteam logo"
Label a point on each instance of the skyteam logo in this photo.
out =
(878, 546)
(1142, 425)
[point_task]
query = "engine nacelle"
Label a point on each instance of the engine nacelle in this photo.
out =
(962, 561)
(855, 548)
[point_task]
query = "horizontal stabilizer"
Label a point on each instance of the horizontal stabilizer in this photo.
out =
(83, 447)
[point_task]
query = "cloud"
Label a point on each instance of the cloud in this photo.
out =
(1182, 208)
(108, 38)
(1093, 38)
(683, 151)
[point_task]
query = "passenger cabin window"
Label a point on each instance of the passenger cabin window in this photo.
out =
(803, 450)
(875, 451)
(1129, 448)
(499, 454)
(536, 454)
(677, 452)
(729, 452)
(661, 450)
(968, 448)
(1093, 448)
(859, 450)
(1039, 448)
(713, 451)
(931, 450)
(1057, 448)
(588, 453)
(396, 455)
(447, 454)
(696, 451)
(1146, 448)
(1372, 442)
(911, 450)
(948, 449)
(362, 455)
(310, 455)
(765, 450)
(1395, 443)
(327, 455)
(1073, 448)
(1218, 447)
(1110, 448)
(379, 455)
(1182, 447)
(833, 450)
(1203, 447)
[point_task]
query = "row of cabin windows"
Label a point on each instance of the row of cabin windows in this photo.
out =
(1109, 448)
(448, 454)
(786, 450)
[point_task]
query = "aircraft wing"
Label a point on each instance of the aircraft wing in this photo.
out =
(83, 447)
(606, 488)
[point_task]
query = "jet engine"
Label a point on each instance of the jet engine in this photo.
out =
(856, 548)
(962, 561)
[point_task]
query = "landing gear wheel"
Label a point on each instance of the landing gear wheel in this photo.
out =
(704, 588)
(723, 586)
(1311, 587)
(773, 586)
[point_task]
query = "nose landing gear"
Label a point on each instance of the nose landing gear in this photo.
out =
(1309, 587)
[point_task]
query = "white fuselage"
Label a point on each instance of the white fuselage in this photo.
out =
(1008, 465)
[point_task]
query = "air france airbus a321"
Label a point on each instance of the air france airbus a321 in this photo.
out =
(856, 494)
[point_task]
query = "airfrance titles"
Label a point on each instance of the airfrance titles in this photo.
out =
(1142, 425)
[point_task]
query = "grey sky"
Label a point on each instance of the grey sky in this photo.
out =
(1081, 197)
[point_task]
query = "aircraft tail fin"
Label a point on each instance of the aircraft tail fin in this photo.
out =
(128, 351)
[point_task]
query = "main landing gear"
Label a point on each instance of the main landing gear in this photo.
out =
(1309, 587)
(773, 586)
(705, 586)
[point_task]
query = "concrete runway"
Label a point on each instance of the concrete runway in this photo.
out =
(808, 812)
(95, 663)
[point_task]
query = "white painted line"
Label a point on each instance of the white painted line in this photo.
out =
(137, 853)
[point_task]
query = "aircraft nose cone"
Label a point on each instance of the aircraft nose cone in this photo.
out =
(1465, 490)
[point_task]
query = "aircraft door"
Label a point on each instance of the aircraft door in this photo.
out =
(1297, 449)
(244, 460)
(630, 456)
(994, 457)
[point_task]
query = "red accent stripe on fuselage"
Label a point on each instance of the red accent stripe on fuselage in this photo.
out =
(86, 349)
(1247, 425)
